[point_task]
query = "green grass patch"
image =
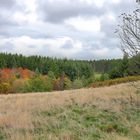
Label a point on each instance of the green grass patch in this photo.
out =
(2, 134)
(87, 122)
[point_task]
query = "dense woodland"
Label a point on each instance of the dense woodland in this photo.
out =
(20, 73)
(72, 68)
(44, 65)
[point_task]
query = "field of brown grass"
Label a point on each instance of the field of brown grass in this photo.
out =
(104, 113)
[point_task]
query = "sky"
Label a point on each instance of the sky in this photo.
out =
(73, 29)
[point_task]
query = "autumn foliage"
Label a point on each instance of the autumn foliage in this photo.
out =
(5, 88)
(6, 75)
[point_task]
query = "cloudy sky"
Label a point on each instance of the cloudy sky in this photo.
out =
(78, 29)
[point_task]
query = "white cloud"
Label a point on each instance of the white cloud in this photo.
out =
(102, 52)
(82, 29)
(50, 47)
(30, 5)
(85, 24)
(116, 1)
(28, 15)
(25, 18)
(59, 47)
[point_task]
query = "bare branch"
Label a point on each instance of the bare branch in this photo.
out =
(129, 33)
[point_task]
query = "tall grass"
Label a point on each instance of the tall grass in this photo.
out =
(86, 114)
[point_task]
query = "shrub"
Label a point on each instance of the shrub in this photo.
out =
(51, 75)
(18, 85)
(48, 83)
(104, 77)
(67, 83)
(87, 81)
(56, 84)
(116, 81)
(38, 84)
(61, 84)
(115, 73)
(5, 88)
(77, 84)
(17, 75)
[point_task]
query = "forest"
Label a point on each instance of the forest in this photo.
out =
(20, 73)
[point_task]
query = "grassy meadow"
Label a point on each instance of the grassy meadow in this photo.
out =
(105, 113)
(69, 70)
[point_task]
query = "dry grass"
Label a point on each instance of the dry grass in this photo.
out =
(19, 112)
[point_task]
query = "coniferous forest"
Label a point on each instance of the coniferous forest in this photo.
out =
(20, 73)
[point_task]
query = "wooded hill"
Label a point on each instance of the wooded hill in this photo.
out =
(20, 73)
(72, 68)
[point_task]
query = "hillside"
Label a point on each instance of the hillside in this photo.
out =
(23, 74)
(107, 113)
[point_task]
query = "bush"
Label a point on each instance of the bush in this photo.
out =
(116, 81)
(87, 81)
(115, 73)
(104, 77)
(5, 88)
(67, 83)
(61, 84)
(48, 83)
(134, 65)
(77, 84)
(38, 84)
(18, 85)
(51, 75)
(56, 84)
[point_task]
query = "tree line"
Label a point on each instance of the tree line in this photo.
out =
(43, 65)
(72, 68)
